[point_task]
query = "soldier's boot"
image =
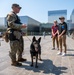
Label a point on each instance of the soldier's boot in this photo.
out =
(15, 63)
(22, 60)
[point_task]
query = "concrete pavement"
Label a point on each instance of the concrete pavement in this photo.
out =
(52, 63)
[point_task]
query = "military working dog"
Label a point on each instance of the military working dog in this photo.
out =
(35, 49)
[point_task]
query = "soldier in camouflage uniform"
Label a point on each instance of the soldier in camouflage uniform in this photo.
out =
(15, 35)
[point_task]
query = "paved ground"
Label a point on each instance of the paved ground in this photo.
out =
(52, 63)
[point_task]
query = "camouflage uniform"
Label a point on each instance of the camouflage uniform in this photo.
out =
(15, 36)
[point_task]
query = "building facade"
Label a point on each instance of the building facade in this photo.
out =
(3, 23)
(54, 15)
(71, 24)
(72, 21)
(32, 24)
(45, 27)
(72, 16)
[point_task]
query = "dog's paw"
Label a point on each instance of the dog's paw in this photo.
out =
(31, 65)
(36, 66)
(40, 59)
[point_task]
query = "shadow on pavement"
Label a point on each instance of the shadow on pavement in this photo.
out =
(71, 52)
(70, 49)
(46, 67)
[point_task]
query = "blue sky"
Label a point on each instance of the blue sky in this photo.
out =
(37, 9)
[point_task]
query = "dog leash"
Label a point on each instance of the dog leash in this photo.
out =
(28, 38)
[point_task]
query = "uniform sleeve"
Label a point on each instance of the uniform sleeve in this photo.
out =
(11, 21)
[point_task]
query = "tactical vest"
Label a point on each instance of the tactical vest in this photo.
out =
(17, 20)
(11, 35)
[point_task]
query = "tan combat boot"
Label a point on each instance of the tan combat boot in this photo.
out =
(15, 63)
(22, 60)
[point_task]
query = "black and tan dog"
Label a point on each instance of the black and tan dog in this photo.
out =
(35, 49)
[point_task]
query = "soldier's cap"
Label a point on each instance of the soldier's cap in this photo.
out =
(61, 17)
(16, 5)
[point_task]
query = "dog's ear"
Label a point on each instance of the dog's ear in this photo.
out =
(39, 40)
(34, 39)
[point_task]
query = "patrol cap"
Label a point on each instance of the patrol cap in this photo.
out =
(16, 5)
(61, 17)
